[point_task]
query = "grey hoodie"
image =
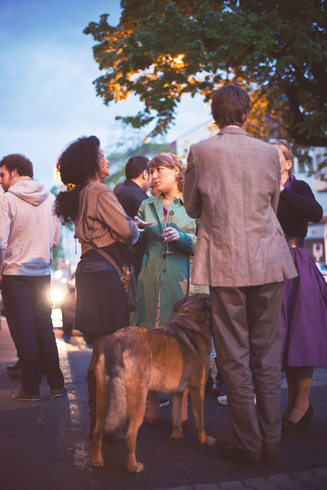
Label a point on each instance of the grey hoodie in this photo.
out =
(28, 229)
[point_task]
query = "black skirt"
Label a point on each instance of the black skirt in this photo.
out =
(101, 303)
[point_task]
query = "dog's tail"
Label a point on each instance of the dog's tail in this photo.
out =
(114, 388)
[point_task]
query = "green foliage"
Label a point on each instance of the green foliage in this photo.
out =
(163, 49)
(58, 254)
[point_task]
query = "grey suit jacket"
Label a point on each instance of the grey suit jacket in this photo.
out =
(232, 183)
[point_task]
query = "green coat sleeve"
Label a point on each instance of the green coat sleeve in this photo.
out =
(187, 242)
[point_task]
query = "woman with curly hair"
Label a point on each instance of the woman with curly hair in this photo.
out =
(100, 222)
(169, 241)
(304, 309)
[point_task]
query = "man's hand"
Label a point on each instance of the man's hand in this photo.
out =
(142, 224)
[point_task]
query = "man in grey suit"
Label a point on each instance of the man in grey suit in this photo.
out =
(232, 183)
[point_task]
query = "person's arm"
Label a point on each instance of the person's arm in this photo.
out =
(5, 223)
(185, 244)
(2, 257)
(191, 193)
(121, 227)
(140, 245)
(304, 200)
(187, 241)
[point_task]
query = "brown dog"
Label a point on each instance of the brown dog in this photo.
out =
(168, 359)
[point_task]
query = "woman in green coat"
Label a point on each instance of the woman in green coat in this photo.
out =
(169, 239)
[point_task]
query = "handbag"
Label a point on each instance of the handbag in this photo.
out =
(128, 278)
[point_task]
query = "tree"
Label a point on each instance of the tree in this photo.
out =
(275, 49)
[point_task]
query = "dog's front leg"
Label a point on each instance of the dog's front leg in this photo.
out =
(197, 397)
(176, 401)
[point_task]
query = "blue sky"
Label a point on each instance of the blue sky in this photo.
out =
(47, 98)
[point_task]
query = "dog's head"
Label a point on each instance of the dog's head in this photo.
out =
(195, 303)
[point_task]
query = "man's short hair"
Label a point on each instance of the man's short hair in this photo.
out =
(229, 104)
(19, 162)
(135, 166)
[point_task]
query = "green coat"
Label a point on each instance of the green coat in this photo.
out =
(172, 270)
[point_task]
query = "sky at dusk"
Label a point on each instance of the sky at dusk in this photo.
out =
(47, 98)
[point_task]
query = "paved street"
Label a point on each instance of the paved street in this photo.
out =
(44, 445)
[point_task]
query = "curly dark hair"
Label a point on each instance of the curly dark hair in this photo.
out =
(229, 104)
(77, 164)
(18, 162)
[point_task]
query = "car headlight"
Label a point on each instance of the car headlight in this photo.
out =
(57, 295)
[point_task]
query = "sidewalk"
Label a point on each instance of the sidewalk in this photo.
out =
(44, 445)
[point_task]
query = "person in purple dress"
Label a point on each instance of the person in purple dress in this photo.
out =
(304, 309)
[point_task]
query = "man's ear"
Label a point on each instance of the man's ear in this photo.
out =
(245, 117)
(145, 175)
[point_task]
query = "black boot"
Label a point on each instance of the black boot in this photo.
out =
(91, 385)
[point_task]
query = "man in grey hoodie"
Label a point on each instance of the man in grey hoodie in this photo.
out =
(28, 232)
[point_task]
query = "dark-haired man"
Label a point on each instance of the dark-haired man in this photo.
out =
(232, 183)
(28, 232)
(130, 196)
(137, 182)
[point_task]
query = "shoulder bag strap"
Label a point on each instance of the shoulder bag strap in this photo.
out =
(106, 256)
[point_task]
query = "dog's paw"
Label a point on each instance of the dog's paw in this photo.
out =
(209, 441)
(177, 434)
(135, 468)
(97, 462)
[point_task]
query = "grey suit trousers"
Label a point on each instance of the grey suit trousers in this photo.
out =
(246, 324)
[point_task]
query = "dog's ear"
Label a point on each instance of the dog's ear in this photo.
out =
(179, 304)
(202, 302)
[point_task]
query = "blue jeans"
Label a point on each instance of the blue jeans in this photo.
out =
(26, 300)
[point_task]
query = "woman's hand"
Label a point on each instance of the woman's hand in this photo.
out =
(170, 234)
(142, 224)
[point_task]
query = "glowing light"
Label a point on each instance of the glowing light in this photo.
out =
(174, 62)
(57, 174)
(179, 60)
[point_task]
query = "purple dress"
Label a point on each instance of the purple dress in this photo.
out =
(304, 309)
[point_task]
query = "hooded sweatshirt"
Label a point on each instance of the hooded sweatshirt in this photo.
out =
(28, 229)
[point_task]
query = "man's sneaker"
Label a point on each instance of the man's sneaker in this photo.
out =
(162, 403)
(16, 366)
(222, 400)
(21, 396)
(60, 392)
